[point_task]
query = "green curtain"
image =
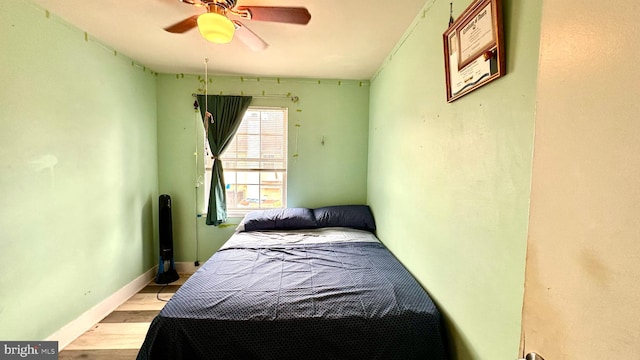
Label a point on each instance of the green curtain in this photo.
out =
(226, 115)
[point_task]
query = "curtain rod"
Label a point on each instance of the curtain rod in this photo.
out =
(293, 98)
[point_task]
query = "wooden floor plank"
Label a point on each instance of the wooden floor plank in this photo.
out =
(131, 316)
(155, 288)
(120, 335)
(183, 278)
(142, 301)
(111, 336)
(180, 281)
(104, 354)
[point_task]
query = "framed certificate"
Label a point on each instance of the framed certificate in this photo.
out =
(473, 48)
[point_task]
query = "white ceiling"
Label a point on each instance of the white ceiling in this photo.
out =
(343, 40)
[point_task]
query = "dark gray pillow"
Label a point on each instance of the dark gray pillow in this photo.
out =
(352, 216)
(279, 219)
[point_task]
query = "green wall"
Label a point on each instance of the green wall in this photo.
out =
(78, 164)
(333, 173)
(449, 184)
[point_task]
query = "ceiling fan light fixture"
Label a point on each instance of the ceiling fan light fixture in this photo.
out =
(215, 27)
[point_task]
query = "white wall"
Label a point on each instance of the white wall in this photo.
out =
(583, 261)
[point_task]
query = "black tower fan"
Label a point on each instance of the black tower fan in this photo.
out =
(166, 275)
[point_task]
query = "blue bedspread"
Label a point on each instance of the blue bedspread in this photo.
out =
(298, 301)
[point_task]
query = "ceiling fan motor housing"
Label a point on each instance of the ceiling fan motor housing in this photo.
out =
(223, 4)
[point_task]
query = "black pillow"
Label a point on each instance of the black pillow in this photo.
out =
(352, 216)
(279, 219)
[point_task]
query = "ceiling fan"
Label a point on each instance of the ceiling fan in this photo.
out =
(216, 26)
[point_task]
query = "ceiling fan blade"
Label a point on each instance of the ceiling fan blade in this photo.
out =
(248, 37)
(184, 25)
(290, 15)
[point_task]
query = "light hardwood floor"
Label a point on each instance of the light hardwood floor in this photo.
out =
(120, 335)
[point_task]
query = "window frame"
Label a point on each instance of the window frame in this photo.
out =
(241, 212)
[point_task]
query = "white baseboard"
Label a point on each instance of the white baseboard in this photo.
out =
(84, 322)
(186, 267)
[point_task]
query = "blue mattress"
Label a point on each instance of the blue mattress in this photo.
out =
(282, 295)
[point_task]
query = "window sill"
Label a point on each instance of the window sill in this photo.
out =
(231, 215)
(239, 214)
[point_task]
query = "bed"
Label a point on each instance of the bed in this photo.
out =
(299, 283)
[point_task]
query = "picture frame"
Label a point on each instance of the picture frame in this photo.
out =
(474, 48)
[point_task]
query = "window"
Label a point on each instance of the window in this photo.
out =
(255, 162)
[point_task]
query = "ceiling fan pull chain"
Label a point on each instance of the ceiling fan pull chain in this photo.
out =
(208, 115)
